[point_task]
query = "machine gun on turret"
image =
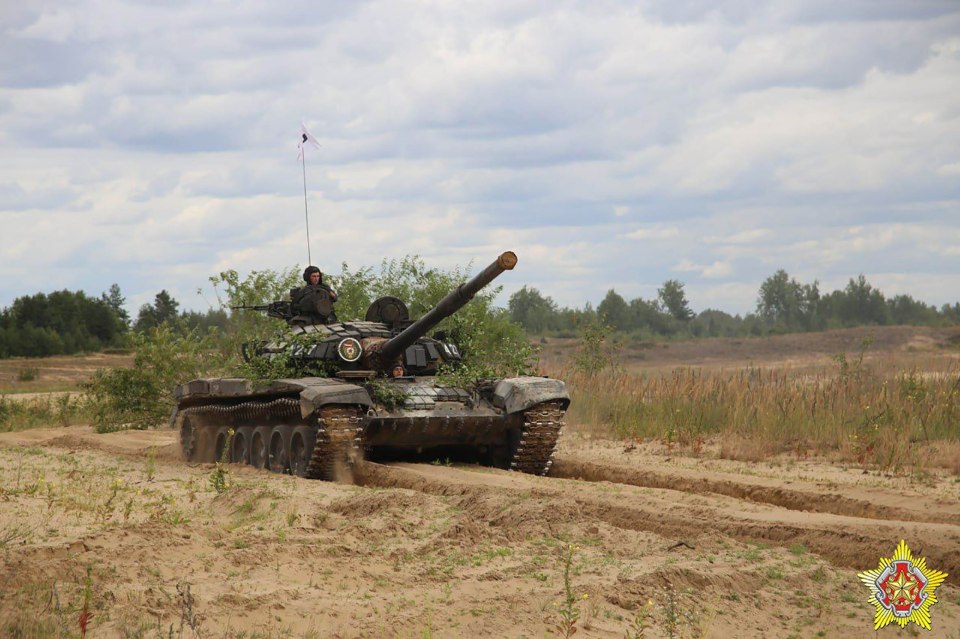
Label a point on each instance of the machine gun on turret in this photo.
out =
(279, 310)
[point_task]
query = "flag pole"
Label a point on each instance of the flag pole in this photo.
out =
(306, 215)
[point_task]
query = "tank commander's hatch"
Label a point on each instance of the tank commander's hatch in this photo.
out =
(388, 310)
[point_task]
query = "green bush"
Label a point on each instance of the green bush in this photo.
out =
(142, 396)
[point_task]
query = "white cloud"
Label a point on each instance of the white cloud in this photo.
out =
(360, 178)
(743, 237)
(154, 144)
(657, 233)
(716, 269)
(952, 169)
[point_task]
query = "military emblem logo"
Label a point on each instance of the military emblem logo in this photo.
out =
(902, 588)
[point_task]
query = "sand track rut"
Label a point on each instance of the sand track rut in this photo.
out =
(525, 503)
(808, 499)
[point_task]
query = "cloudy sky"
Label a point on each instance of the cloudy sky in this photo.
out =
(609, 144)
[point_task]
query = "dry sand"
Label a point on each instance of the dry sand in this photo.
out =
(721, 548)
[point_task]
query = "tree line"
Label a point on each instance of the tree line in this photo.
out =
(784, 305)
(67, 322)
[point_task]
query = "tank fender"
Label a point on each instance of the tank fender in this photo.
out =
(520, 393)
(214, 387)
(319, 391)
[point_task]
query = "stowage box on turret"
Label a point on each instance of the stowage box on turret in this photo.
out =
(375, 395)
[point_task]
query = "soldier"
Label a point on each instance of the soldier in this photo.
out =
(314, 301)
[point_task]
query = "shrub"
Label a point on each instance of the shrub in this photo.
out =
(141, 396)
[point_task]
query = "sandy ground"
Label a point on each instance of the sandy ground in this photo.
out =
(685, 546)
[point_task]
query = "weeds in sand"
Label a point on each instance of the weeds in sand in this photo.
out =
(640, 622)
(150, 465)
(189, 617)
(28, 374)
(17, 533)
(85, 615)
(675, 618)
(219, 477)
(105, 510)
(568, 610)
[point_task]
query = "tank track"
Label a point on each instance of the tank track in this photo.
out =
(248, 410)
(542, 425)
(339, 430)
(283, 406)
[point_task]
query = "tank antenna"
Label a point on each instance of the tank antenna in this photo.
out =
(306, 216)
(306, 139)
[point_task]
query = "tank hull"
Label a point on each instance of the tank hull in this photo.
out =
(319, 427)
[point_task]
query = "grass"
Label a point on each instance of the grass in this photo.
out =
(36, 412)
(873, 415)
(61, 373)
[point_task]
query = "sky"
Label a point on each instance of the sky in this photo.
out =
(609, 144)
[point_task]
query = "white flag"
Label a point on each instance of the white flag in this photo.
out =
(306, 139)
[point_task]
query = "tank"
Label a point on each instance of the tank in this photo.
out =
(374, 395)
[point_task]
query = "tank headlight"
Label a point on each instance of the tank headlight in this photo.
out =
(349, 349)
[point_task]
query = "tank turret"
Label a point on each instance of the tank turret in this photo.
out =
(383, 353)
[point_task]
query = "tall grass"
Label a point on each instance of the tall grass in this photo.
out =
(60, 410)
(874, 415)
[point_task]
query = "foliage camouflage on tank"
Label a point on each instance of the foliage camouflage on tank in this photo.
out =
(375, 394)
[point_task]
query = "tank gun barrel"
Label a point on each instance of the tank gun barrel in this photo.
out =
(449, 305)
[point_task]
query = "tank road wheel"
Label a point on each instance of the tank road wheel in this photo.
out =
(241, 445)
(302, 443)
(221, 441)
(259, 452)
(533, 452)
(278, 446)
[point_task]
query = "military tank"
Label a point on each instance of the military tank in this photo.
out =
(375, 395)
